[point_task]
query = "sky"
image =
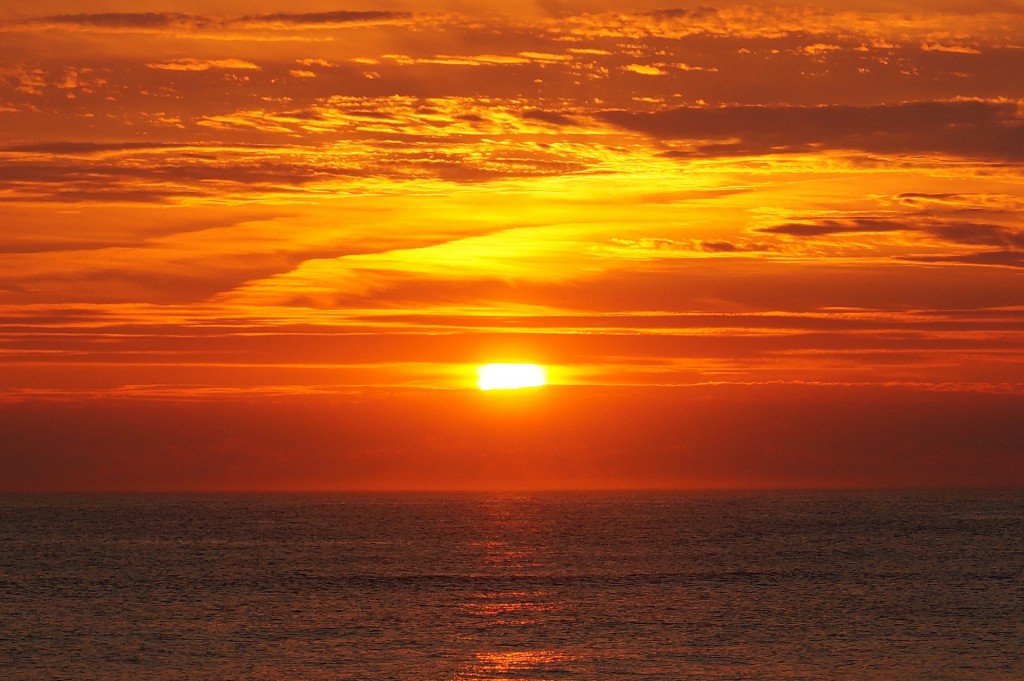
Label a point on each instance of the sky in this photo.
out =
(264, 245)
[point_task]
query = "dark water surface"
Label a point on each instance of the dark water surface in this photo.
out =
(549, 586)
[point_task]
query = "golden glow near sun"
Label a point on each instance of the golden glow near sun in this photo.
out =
(510, 376)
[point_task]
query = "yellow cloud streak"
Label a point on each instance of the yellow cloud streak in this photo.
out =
(190, 64)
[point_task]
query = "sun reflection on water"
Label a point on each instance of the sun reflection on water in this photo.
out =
(510, 612)
(506, 556)
(502, 606)
(502, 665)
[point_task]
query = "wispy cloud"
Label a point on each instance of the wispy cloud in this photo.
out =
(990, 130)
(171, 21)
(190, 64)
(339, 17)
(147, 20)
(1009, 239)
(994, 258)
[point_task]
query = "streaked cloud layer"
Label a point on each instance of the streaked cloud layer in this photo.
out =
(324, 202)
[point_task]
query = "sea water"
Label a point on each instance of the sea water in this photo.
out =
(855, 585)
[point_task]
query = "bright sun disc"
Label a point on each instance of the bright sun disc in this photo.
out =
(510, 376)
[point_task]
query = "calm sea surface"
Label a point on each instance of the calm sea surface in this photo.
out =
(550, 586)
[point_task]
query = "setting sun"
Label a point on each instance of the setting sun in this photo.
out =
(510, 376)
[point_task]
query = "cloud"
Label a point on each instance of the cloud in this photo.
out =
(977, 234)
(171, 21)
(914, 198)
(915, 21)
(988, 130)
(459, 60)
(951, 231)
(819, 49)
(1007, 241)
(162, 172)
(552, 117)
(662, 246)
(190, 64)
(673, 14)
(105, 172)
(958, 49)
(147, 20)
(833, 226)
(23, 79)
(994, 258)
(119, 179)
(644, 69)
(324, 18)
(86, 147)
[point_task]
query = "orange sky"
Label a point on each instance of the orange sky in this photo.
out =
(756, 244)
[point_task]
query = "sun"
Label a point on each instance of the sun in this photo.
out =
(510, 376)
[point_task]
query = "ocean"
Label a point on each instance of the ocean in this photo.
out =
(753, 585)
